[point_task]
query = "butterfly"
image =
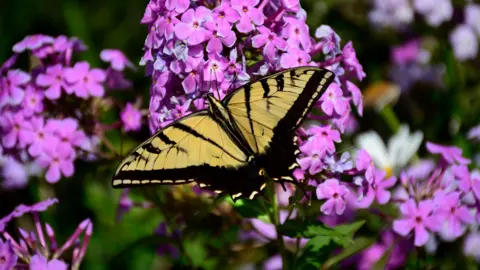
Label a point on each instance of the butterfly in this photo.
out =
(237, 144)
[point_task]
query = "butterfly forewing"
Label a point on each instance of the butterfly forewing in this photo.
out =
(180, 153)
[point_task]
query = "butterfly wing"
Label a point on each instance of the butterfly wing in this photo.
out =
(268, 111)
(194, 148)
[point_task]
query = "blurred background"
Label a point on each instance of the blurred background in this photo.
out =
(439, 95)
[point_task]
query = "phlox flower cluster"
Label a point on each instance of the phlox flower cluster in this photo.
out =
(400, 13)
(38, 249)
(411, 64)
(198, 47)
(49, 114)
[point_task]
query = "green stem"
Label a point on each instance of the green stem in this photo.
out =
(390, 118)
(275, 219)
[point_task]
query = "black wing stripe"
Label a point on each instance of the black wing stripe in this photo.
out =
(266, 88)
(280, 82)
(165, 138)
(304, 103)
(192, 132)
(249, 109)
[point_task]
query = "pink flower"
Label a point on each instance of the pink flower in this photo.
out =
(68, 131)
(178, 6)
(323, 139)
(225, 15)
(313, 162)
(38, 262)
(32, 42)
(41, 136)
(269, 41)
(249, 14)
(131, 118)
(333, 99)
(296, 33)
(116, 58)
(54, 80)
(467, 182)
(356, 96)
(16, 130)
(86, 82)
(406, 53)
(165, 27)
(418, 218)
(58, 160)
(364, 163)
(214, 68)
(330, 40)
(335, 195)
(450, 154)
(194, 69)
(351, 61)
(294, 58)
(378, 189)
(32, 101)
(455, 215)
(219, 35)
(13, 82)
(191, 27)
(8, 258)
(291, 5)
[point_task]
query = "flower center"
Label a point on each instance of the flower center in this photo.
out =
(58, 78)
(3, 260)
(299, 60)
(214, 66)
(215, 33)
(388, 171)
(245, 9)
(85, 79)
(315, 156)
(297, 31)
(418, 219)
(222, 14)
(452, 210)
(41, 135)
(335, 195)
(270, 37)
(196, 24)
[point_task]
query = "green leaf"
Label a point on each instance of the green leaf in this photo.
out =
(249, 209)
(312, 228)
(195, 251)
(318, 242)
(304, 228)
(359, 244)
(349, 229)
(316, 251)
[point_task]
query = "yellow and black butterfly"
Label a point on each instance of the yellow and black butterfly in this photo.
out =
(237, 144)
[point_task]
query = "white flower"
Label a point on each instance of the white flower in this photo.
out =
(401, 147)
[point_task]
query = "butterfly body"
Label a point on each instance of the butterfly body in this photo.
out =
(237, 144)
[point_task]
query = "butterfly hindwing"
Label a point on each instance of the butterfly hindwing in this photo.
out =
(187, 149)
